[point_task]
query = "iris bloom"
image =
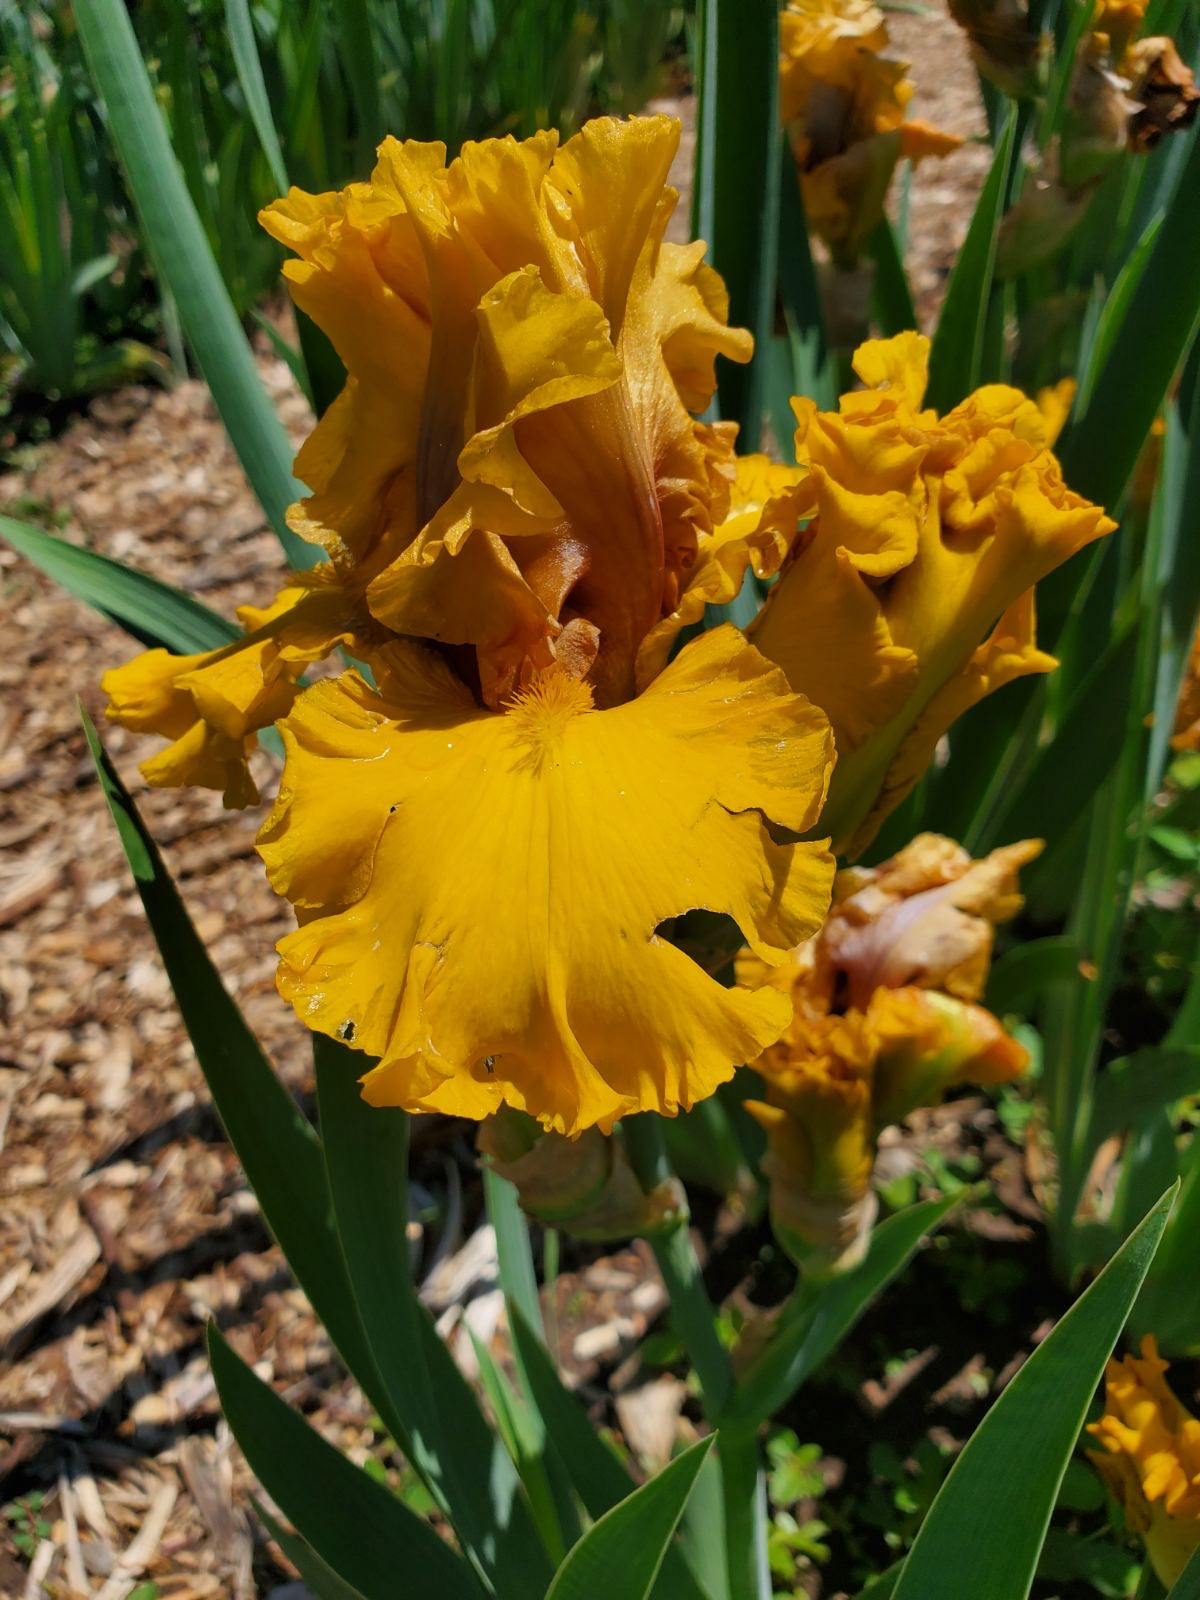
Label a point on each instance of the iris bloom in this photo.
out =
(843, 104)
(1150, 1459)
(512, 490)
(909, 593)
(885, 1021)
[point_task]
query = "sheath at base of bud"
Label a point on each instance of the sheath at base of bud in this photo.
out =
(585, 1186)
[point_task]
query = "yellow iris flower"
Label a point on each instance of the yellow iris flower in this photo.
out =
(885, 1020)
(1150, 1459)
(909, 594)
(843, 103)
(513, 491)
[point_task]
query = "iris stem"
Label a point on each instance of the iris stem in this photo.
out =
(692, 1314)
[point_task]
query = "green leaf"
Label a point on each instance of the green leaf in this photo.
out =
(523, 1431)
(250, 76)
(990, 1516)
(1100, 448)
(518, 1278)
(812, 369)
(429, 1403)
(956, 358)
(736, 198)
(621, 1554)
(356, 48)
(598, 1477)
(184, 260)
(821, 1318)
(320, 1578)
(151, 611)
(1113, 311)
(1187, 1585)
(1169, 1306)
(1023, 974)
(358, 1528)
(893, 301)
(882, 1587)
(1045, 800)
(1145, 1081)
(277, 1146)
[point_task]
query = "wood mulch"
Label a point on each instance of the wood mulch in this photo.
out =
(125, 1221)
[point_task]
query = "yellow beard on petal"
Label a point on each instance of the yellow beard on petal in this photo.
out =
(541, 712)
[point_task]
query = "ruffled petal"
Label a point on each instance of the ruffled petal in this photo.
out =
(211, 706)
(525, 355)
(917, 569)
(1007, 654)
(528, 968)
(767, 503)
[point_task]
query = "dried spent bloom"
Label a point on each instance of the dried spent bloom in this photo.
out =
(1150, 1459)
(884, 1021)
(513, 490)
(1005, 46)
(1126, 93)
(1163, 90)
(843, 104)
(909, 594)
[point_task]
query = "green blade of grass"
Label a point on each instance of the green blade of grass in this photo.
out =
(987, 1524)
(151, 611)
(177, 242)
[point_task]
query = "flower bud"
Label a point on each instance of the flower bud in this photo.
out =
(585, 1186)
(1150, 1460)
(1006, 49)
